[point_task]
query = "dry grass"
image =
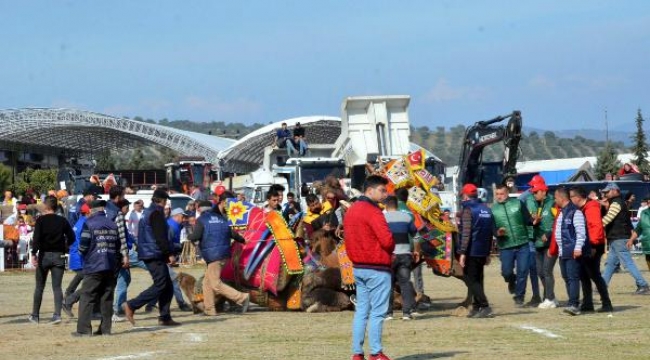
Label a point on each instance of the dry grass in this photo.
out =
(266, 335)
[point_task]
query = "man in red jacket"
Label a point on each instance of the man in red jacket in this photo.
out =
(590, 265)
(370, 246)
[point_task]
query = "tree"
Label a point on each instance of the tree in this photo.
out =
(6, 177)
(105, 162)
(607, 162)
(640, 147)
(40, 181)
(137, 160)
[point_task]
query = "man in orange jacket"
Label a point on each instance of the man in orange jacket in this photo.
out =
(590, 265)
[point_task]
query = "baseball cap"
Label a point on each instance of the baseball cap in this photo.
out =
(205, 203)
(98, 203)
(160, 194)
(611, 186)
(178, 211)
(90, 191)
(537, 179)
(469, 189)
(538, 186)
(85, 209)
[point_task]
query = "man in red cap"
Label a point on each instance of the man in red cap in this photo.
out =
(541, 206)
(475, 245)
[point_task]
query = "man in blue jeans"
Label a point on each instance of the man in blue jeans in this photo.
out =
(618, 229)
(573, 247)
(370, 246)
(511, 221)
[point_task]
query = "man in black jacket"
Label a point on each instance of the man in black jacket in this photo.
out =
(52, 238)
(155, 248)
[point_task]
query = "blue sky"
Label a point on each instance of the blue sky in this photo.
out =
(561, 63)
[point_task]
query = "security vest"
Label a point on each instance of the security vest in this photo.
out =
(104, 244)
(508, 215)
(481, 238)
(215, 242)
(568, 233)
(147, 247)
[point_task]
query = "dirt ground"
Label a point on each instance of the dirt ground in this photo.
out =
(514, 333)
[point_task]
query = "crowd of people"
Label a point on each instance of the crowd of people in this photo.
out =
(386, 241)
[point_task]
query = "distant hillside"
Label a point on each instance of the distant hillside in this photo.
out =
(445, 143)
(622, 133)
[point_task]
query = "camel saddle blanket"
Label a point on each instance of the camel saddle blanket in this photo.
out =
(285, 242)
(269, 276)
(347, 273)
(441, 262)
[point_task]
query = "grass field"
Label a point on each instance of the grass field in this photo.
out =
(513, 333)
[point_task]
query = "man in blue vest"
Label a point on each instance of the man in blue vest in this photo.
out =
(155, 248)
(572, 243)
(99, 245)
(213, 233)
(76, 264)
(476, 229)
(175, 222)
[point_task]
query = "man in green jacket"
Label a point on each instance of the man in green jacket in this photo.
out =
(541, 206)
(511, 219)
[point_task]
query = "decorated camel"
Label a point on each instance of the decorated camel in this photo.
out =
(281, 273)
(278, 270)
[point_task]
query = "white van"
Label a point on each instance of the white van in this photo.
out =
(177, 200)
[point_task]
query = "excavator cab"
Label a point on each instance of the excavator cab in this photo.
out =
(473, 169)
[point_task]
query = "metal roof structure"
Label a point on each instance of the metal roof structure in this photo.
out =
(73, 132)
(76, 132)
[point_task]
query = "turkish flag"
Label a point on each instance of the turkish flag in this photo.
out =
(416, 160)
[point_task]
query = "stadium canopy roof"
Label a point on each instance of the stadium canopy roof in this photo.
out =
(75, 132)
(71, 132)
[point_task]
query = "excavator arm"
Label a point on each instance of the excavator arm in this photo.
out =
(472, 168)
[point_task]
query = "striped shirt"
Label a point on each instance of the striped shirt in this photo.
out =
(578, 224)
(401, 226)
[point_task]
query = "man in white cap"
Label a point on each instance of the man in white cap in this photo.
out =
(618, 229)
(175, 222)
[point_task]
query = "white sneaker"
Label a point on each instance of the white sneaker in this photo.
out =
(388, 318)
(117, 318)
(548, 304)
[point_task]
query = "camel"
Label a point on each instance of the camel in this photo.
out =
(320, 287)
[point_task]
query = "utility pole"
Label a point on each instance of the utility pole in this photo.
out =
(606, 128)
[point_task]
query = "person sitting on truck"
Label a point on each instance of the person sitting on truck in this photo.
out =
(283, 139)
(299, 139)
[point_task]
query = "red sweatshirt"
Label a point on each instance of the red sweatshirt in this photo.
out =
(595, 229)
(368, 239)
